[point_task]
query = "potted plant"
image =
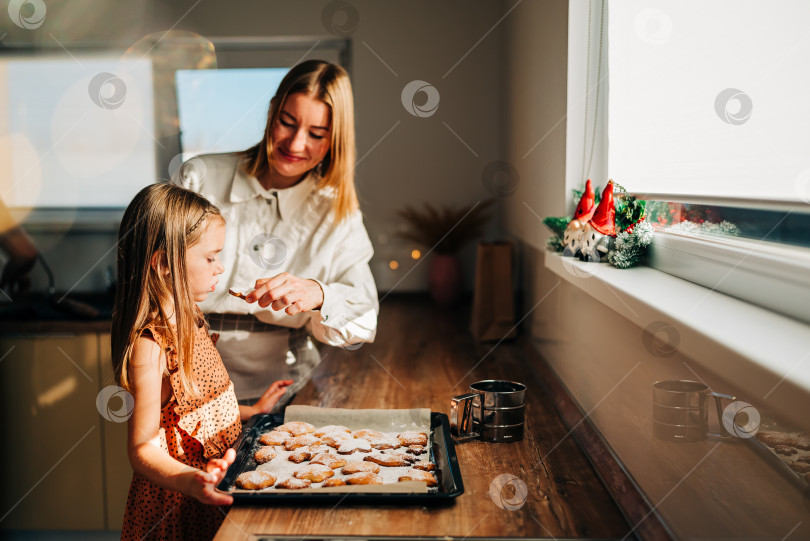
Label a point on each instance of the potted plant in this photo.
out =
(443, 231)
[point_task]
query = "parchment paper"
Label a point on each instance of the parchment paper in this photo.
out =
(389, 422)
(374, 419)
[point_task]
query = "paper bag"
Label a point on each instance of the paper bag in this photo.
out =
(493, 312)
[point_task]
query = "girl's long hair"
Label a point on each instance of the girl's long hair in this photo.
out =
(165, 220)
(330, 84)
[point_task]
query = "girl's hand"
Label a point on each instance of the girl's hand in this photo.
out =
(201, 483)
(287, 292)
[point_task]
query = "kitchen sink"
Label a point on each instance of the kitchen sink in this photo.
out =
(58, 307)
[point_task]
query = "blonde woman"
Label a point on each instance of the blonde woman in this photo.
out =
(296, 244)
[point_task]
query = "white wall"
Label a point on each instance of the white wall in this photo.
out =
(537, 44)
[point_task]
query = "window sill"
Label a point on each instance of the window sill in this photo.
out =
(773, 276)
(761, 352)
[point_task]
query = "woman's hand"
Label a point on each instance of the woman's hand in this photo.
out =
(271, 395)
(287, 292)
(267, 401)
(201, 483)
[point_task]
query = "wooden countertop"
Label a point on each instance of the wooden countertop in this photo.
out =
(422, 357)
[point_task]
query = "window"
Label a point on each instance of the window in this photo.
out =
(224, 110)
(707, 119)
(707, 98)
(77, 131)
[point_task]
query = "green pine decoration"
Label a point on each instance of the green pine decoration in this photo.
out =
(629, 209)
(557, 225)
(631, 245)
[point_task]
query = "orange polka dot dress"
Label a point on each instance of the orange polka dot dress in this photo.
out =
(193, 431)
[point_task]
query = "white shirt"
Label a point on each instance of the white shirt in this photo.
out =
(295, 230)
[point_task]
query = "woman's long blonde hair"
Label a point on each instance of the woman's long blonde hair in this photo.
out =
(166, 220)
(330, 84)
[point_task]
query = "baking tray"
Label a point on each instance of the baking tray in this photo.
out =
(797, 479)
(443, 454)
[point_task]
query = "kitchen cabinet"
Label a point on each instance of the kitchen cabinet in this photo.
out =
(117, 471)
(66, 465)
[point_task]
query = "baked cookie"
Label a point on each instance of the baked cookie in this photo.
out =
(329, 460)
(237, 293)
(412, 438)
(390, 459)
(424, 465)
(805, 458)
(801, 467)
(357, 467)
(776, 438)
(331, 429)
(415, 449)
(364, 478)
(314, 472)
(384, 443)
(319, 448)
(300, 441)
(365, 433)
(419, 475)
(803, 442)
(299, 455)
(293, 483)
(335, 439)
(334, 482)
(785, 450)
(348, 447)
(265, 454)
(275, 437)
(255, 480)
(297, 428)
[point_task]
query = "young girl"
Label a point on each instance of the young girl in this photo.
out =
(185, 415)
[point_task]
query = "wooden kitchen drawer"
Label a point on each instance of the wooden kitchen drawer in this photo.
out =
(52, 432)
(117, 471)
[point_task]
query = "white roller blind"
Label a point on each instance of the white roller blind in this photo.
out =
(710, 97)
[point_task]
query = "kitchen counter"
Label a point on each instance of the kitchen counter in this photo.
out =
(423, 356)
(74, 314)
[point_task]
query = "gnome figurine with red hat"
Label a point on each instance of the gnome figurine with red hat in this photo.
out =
(572, 238)
(599, 232)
